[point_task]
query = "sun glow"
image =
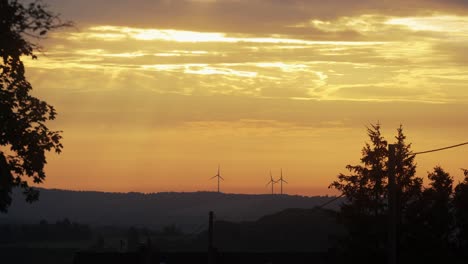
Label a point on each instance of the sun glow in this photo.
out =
(163, 92)
(114, 33)
(221, 71)
(433, 23)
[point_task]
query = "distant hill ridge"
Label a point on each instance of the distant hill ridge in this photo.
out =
(155, 210)
(300, 230)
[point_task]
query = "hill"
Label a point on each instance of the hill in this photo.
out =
(155, 210)
(291, 230)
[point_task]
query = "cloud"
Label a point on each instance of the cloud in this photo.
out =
(168, 62)
(296, 50)
(259, 16)
(183, 84)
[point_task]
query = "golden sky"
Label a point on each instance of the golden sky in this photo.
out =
(153, 94)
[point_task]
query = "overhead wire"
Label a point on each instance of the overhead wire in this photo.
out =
(416, 153)
(196, 231)
(440, 149)
(330, 201)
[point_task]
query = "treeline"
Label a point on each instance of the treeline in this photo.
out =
(62, 230)
(432, 219)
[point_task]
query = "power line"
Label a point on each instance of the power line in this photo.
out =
(197, 230)
(416, 153)
(330, 201)
(440, 149)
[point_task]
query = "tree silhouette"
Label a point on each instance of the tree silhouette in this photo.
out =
(409, 186)
(365, 212)
(437, 221)
(24, 136)
(460, 203)
(465, 171)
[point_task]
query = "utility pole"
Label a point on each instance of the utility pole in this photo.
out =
(210, 231)
(211, 257)
(392, 206)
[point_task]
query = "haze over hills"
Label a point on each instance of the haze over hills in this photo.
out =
(292, 230)
(155, 210)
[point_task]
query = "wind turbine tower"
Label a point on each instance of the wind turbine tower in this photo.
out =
(281, 180)
(218, 175)
(272, 182)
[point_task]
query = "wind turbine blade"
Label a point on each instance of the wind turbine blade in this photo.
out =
(214, 177)
(268, 183)
(221, 178)
(285, 181)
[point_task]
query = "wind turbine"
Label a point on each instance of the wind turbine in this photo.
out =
(281, 180)
(272, 182)
(218, 175)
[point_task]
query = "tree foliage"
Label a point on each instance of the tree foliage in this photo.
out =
(365, 212)
(432, 217)
(364, 189)
(409, 186)
(24, 136)
(62, 230)
(437, 210)
(460, 203)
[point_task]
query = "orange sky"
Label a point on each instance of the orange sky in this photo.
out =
(153, 95)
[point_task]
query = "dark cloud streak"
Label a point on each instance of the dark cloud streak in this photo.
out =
(259, 16)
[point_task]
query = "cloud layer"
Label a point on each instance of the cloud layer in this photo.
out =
(182, 81)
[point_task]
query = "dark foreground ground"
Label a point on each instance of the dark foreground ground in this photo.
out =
(202, 258)
(69, 256)
(36, 255)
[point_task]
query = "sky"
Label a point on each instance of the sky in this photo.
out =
(153, 94)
